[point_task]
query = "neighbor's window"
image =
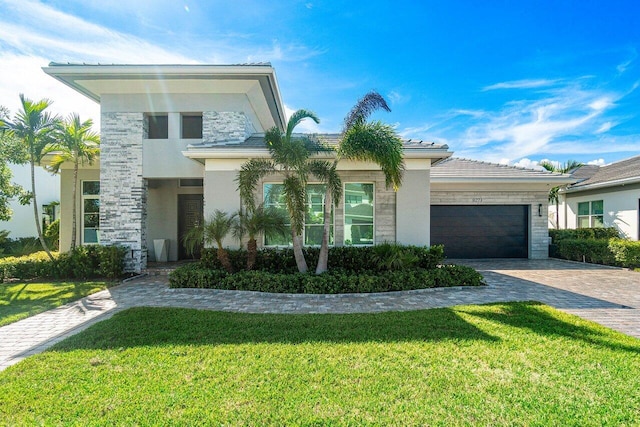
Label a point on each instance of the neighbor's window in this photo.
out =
(314, 215)
(192, 126)
(157, 126)
(358, 214)
(591, 214)
(90, 212)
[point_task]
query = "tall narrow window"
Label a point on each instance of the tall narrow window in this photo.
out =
(314, 215)
(192, 126)
(358, 214)
(591, 214)
(157, 126)
(90, 212)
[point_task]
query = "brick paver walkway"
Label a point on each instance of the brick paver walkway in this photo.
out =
(609, 296)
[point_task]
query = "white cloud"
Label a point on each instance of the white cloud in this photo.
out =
(528, 164)
(605, 127)
(522, 84)
(397, 98)
(597, 162)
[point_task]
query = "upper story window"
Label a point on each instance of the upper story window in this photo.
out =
(157, 126)
(591, 214)
(192, 125)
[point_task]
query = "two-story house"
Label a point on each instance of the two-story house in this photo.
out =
(173, 138)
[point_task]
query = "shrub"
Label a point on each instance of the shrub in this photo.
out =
(335, 281)
(52, 234)
(349, 258)
(81, 263)
(589, 250)
(584, 233)
(626, 252)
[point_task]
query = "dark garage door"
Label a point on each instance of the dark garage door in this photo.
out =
(499, 231)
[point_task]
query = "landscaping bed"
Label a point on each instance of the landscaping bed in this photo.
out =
(595, 245)
(498, 364)
(381, 268)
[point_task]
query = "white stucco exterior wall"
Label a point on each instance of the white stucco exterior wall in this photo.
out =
(22, 223)
(621, 208)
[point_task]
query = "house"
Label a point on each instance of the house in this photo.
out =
(173, 138)
(605, 196)
(21, 223)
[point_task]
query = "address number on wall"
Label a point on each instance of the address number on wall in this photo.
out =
(477, 200)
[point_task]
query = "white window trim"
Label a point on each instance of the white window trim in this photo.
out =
(333, 224)
(344, 211)
(84, 197)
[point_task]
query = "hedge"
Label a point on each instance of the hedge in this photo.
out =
(583, 233)
(626, 252)
(81, 263)
(355, 259)
(335, 281)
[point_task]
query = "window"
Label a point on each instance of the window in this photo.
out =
(314, 216)
(191, 182)
(591, 214)
(157, 126)
(358, 214)
(192, 126)
(90, 212)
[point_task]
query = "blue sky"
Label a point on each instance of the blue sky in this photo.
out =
(504, 81)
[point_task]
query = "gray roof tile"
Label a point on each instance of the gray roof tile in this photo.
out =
(622, 170)
(455, 167)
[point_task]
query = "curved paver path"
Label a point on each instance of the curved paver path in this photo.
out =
(610, 296)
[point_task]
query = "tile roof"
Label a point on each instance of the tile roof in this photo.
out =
(330, 139)
(455, 167)
(628, 169)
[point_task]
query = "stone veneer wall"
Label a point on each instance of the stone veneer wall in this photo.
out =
(226, 126)
(123, 190)
(538, 232)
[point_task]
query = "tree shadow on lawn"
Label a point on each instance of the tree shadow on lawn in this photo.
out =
(146, 326)
(535, 316)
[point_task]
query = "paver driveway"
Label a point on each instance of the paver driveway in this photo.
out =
(609, 296)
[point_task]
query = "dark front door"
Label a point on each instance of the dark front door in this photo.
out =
(500, 231)
(190, 214)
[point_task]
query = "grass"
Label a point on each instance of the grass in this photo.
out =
(499, 364)
(21, 300)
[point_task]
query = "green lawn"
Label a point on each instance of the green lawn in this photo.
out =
(500, 364)
(21, 300)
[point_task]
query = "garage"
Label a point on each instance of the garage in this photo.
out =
(481, 231)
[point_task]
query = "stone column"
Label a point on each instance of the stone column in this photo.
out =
(123, 190)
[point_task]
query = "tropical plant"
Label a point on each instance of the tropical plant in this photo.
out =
(290, 156)
(261, 221)
(214, 230)
(34, 128)
(79, 145)
(365, 141)
(553, 193)
(8, 189)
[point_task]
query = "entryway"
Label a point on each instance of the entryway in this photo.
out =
(190, 214)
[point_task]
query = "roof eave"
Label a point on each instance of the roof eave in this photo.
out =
(598, 185)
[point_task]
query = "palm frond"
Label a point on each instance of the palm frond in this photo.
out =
(296, 200)
(251, 172)
(376, 142)
(297, 117)
(363, 109)
(327, 173)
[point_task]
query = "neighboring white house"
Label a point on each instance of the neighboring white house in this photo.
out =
(605, 196)
(22, 223)
(173, 138)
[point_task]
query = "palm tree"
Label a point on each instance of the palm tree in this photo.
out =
(261, 221)
(79, 145)
(553, 193)
(290, 156)
(34, 128)
(213, 231)
(364, 141)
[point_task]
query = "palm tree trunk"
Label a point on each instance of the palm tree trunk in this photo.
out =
(557, 213)
(297, 252)
(74, 206)
(35, 210)
(323, 257)
(223, 257)
(252, 252)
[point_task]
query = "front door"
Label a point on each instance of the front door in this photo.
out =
(190, 214)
